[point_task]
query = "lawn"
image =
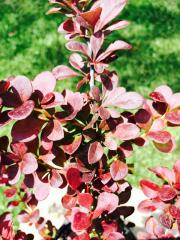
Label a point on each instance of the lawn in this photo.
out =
(30, 43)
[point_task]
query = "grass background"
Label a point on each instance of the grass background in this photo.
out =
(29, 44)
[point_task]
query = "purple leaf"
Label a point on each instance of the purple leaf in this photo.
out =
(73, 177)
(113, 47)
(56, 129)
(96, 42)
(57, 101)
(78, 47)
(26, 130)
(110, 10)
(173, 117)
(76, 61)
(56, 179)
(166, 147)
(22, 111)
(174, 101)
(92, 16)
(95, 152)
(23, 87)
(67, 26)
(159, 136)
(130, 100)
(167, 193)
(112, 97)
(71, 147)
(149, 188)
(106, 202)
(44, 82)
(126, 131)
(63, 72)
(29, 163)
(41, 189)
(76, 102)
(117, 25)
(118, 170)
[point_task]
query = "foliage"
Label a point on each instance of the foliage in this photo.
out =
(81, 140)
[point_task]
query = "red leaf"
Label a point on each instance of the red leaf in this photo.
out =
(26, 130)
(166, 221)
(68, 201)
(174, 211)
(167, 193)
(156, 96)
(85, 200)
(120, 98)
(76, 102)
(173, 117)
(147, 206)
(112, 97)
(29, 163)
(142, 116)
(44, 82)
(73, 177)
(67, 26)
(110, 10)
(152, 226)
(117, 25)
(113, 47)
(126, 131)
(4, 85)
(56, 129)
(92, 16)
(19, 149)
(130, 100)
(14, 174)
(164, 173)
(174, 101)
(159, 136)
(80, 222)
(167, 147)
(48, 98)
(76, 61)
(57, 101)
(63, 72)
(165, 91)
(73, 146)
(149, 188)
(41, 189)
(118, 170)
(78, 47)
(56, 179)
(23, 111)
(95, 152)
(23, 86)
(106, 202)
(96, 42)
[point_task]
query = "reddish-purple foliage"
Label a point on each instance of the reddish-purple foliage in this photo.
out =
(164, 198)
(81, 140)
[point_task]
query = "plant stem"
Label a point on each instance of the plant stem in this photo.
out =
(91, 77)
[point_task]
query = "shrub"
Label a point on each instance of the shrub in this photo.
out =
(81, 140)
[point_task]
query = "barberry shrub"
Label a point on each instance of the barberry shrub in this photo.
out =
(81, 140)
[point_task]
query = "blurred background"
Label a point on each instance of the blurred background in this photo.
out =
(30, 43)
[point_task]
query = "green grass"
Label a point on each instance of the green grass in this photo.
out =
(29, 44)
